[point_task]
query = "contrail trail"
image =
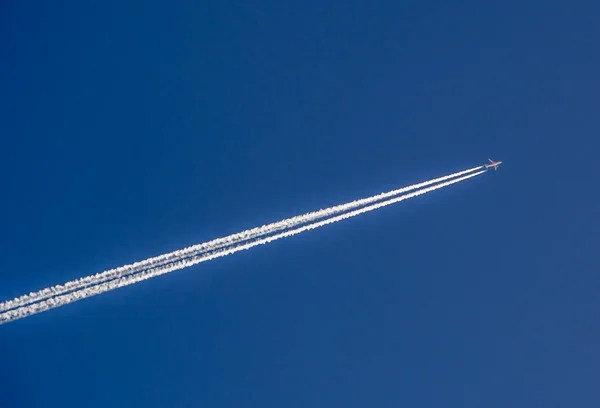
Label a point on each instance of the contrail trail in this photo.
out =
(253, 233)
(62, 300)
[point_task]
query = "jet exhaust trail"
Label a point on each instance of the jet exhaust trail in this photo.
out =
(194, 250)
(126, 280)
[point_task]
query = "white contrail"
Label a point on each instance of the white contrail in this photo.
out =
(62, 300)
(211, 245)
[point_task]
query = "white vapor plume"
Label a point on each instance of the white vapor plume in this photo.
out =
(212, 245)
(62, 300)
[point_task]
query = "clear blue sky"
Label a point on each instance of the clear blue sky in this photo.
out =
(132, 128)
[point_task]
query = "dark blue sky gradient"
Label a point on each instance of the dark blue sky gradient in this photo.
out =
(132, 128)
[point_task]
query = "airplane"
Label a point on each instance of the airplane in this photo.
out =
(494, 164)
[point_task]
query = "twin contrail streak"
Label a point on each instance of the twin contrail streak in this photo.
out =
(233, 239)
(211, 250)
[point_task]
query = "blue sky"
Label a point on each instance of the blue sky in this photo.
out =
(130, 128)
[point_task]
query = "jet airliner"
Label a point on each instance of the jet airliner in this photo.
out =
(494, 164)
